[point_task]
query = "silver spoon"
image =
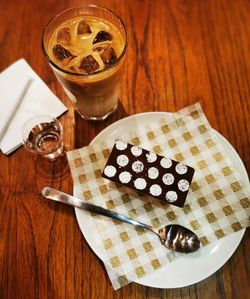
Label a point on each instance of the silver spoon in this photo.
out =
(173, 236)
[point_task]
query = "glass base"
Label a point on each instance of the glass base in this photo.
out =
(97, 118)
(56, 154)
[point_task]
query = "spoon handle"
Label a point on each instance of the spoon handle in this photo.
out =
(59, 196)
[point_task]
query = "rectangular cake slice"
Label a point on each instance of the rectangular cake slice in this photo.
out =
(150, 173)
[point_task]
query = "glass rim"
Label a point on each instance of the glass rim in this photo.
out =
(79, 74)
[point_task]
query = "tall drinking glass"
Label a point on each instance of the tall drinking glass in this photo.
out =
(86, 49)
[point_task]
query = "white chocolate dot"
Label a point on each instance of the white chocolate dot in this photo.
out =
(120, 145)
(168, 179)
(122, 160)
(125, 177)
(153, 173)
(181, 168)
(151, 157)
(136, 151)
(171, 196)
(137, 166)
(110, 171)
(155, 190)
(140, 184)
(183, 185)
(166, 163)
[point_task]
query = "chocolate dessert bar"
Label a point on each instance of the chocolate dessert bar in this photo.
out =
(147, 172)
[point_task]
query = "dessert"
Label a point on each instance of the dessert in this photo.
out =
(147, 172)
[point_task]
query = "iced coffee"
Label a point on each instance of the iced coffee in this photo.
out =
(86, 48)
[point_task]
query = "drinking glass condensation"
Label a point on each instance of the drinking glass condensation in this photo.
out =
(42, 135)
(86, 48)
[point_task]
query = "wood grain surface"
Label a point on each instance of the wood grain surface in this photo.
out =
(179, 52)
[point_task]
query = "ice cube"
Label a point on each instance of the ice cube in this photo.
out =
(99, 48)
(89, 64)
(61, 53)
(102, 36)
(83, 28)
(74, 69)
(63, 36)
(108, 56)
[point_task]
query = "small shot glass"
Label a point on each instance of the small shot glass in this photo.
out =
(42, 135)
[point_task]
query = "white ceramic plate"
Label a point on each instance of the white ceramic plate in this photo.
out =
(190, 268)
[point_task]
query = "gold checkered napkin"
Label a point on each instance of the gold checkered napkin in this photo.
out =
(218, 203)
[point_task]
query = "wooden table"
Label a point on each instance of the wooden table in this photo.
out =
(179, 52)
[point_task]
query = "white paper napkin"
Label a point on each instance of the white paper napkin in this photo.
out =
(22, 95)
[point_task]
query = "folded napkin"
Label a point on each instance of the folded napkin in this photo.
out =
(217, 205)
(23, 94)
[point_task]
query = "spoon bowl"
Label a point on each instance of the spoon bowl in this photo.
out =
(178, 238)
(173, 236)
